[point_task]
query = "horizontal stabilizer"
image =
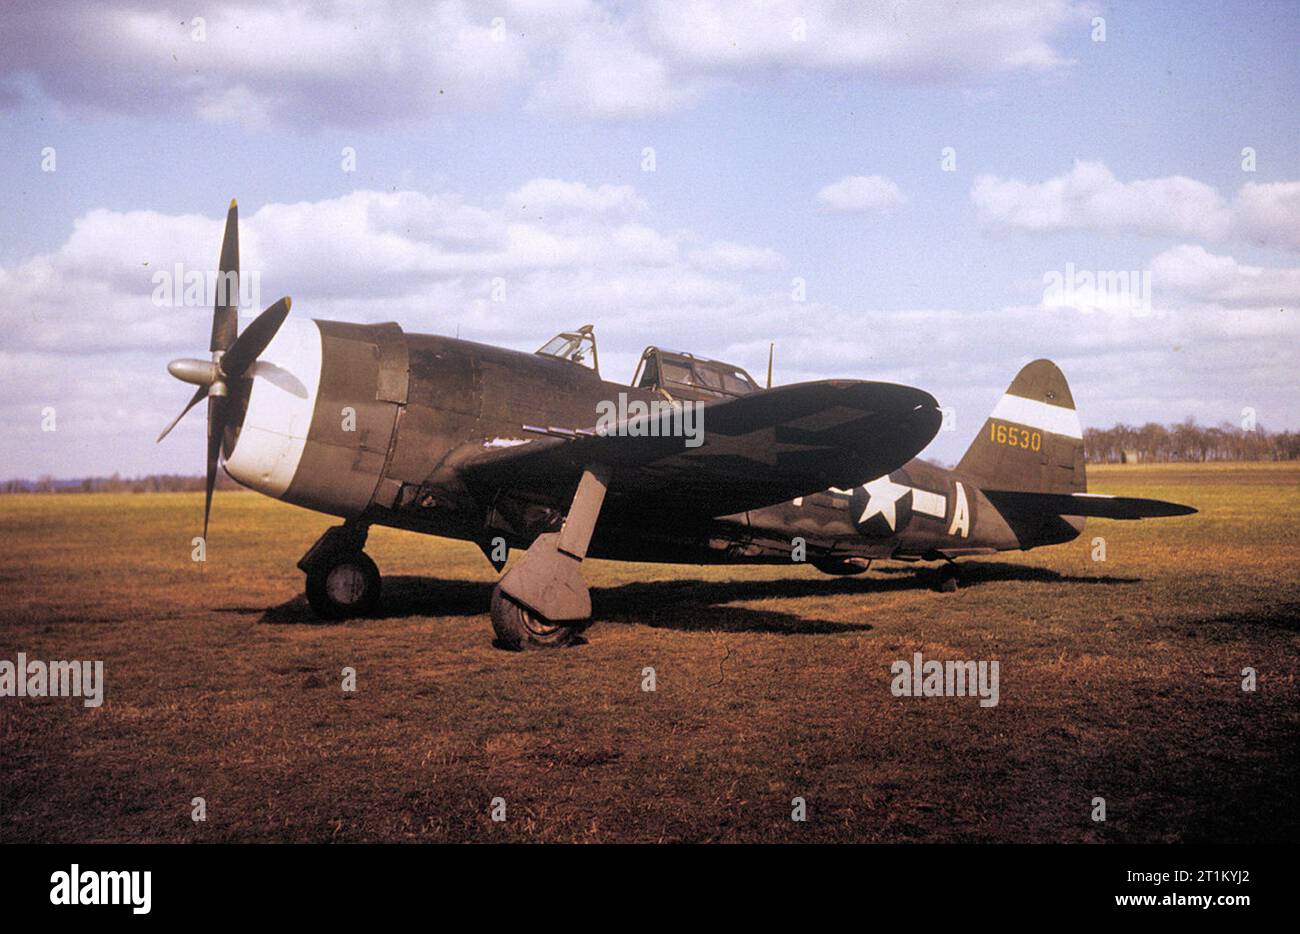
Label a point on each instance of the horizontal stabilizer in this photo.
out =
(1095, 505)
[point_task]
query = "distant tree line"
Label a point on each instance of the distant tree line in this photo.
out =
(1185, 442)
(1188, 442)
(153, 483)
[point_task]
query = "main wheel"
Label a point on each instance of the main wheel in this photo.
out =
(344, 586)
(949, 578)
(519, 628)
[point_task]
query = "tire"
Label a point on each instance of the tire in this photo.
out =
(344, 586)
(519, 628)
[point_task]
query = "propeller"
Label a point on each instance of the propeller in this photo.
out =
(233, 354)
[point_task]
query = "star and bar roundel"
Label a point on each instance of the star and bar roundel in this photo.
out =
(886, 505)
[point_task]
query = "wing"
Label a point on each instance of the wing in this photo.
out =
(753, 451)
(1083, 504)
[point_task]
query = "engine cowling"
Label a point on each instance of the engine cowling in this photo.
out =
(318, 415)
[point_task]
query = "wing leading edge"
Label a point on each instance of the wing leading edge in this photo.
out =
(764, 448)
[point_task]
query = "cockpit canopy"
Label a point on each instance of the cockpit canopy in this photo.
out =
(686, 376)
(574, 346)
(674, 374)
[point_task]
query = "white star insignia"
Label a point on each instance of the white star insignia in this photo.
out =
(883, 495)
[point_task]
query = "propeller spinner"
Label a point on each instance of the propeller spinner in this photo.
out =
(233, 354)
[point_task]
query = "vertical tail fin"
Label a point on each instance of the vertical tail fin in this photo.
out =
(1032, 441)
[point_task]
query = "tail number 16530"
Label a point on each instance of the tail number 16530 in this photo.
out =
(1015, 437)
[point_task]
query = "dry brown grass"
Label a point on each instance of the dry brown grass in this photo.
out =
(1118, 679)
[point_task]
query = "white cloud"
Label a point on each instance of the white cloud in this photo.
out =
(83, 336)
(553, 195)
(916, 41)
(1090, 197)
(352, 63)
(94, 292)
(430, 261)
(346, 63)
(1269, 214)
(860, 194)
(608, 76)
(1194, 273)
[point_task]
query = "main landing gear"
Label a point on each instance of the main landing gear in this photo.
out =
(342, 580)
(543, 601)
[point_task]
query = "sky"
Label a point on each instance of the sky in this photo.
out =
(932, 193)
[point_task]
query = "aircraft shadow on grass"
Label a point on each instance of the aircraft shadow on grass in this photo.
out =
(685, 605)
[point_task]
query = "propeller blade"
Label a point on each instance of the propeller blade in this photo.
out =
(249, 345)
(225, 317)
(216, 428)
(199, 395)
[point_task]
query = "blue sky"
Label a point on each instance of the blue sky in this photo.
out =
(776, 158)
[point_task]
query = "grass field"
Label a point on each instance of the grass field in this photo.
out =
(1119, 679)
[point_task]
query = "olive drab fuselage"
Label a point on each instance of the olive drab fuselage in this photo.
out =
(397, 416)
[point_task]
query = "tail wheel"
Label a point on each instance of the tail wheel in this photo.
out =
(519, 628)
(841, 567)
(344, 586)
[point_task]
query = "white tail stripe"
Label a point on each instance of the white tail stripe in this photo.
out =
(1040, 415)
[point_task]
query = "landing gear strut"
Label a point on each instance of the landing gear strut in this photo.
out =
(543, 601)
(342, 580)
